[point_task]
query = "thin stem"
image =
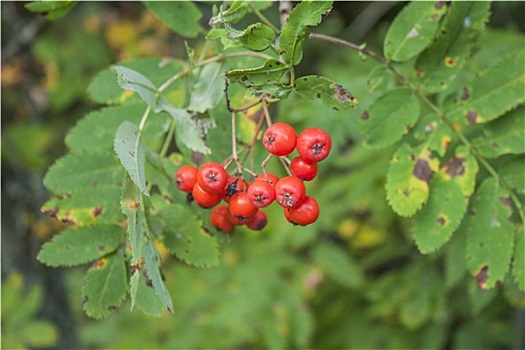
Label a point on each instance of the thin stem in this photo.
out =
(262, 17)
(263, 164)
(168, 139)
(266, 113)
(285, 165)
(234, 145)
(249, 105)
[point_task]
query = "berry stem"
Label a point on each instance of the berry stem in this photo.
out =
(266, 113)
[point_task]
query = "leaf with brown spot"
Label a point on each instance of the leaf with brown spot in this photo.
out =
(331, 94)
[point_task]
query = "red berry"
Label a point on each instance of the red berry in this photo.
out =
(212, 178)
(314, 145)
(240, 206)
(233, 185)
(289, 191)
(305, 213)
(205, 199)
(236, 221)
(270, 178)
(280, 139)
(258, 221)
(219, 220)
(302, 169)
(261, 194)
(186, 177)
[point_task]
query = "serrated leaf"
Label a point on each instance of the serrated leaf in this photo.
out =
(275, 90)
(51, 10)
(146, 298)
(490, 235)
(440, 217)
(436, 133)
(455, 266)
(389, 117)
(129, 79)
(256, 37)
(303, 15)
(180, 16)
(407, 180)
(270, 72)
(86, 207)
(131, 207)
(131, 153)
(512, 172)
(377, 78)
(77, 172)
(105, 285)
(413, 29)
(443, 60)
(497, 90)
(462, 168)
(208, 89)
(331, 94)
(186, 129)
(338, 265)
(222, 35)
(151, 258)
(518, 264)
(503, 136)
(186, 238)
(81, 245)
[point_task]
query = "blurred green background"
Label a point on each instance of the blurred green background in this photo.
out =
(353, 280)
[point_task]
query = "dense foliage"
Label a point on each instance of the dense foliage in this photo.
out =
(421, 200)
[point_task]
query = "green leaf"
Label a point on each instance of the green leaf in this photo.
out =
(81, 245)
(80, 171)
(389, 117)
(128, 79)
(51, 10)
(185, 237)
(86, 207)
(455, 265)
(146, 299)
(496, 91)
(408, 177)
(377, 78)
(503, 136)
(490, 234)
(518, 265)
(413, 29)
(338, 265)
(180, 16)
(131, 153)
(512, 173)
(440, 217)
(131, 207)
(207, 91)
(270, 72)
(256, 37)
(435, 132)
(442, 61)
(222, 35)
(186, 131)
(235, 12)
(463, 169)
(303, 15)
(331, 94)
(105, 285)
(151, 258)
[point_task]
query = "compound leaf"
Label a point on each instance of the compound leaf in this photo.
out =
(270, 72)
(129, 79)
(207, 91)
(389, 117)
(131, 153)
(151, 258)
(413, 30)
(81, 245)
(305, 14)
(490, 234)
(408, 177)
(180, 16)
(105, 285)
(185, 237)
(331, 94)
(499, 89)
(440, 217)
(443, 60)
(503, 136)
(338, 265)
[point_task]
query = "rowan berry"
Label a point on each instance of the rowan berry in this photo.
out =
(261, 194)
(186, 177)
(219, 220)
(258, 221)
(314, 145)
(233, 185)
(289, 191)
(240, 206)
(303, 214)
(203, 198)
(212, 178)
(269, 177)
(280, 139)
(302, 169)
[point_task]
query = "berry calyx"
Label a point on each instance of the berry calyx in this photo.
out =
(303, 214)
(314, 145)
(289, 191)
(203, 198)
(233, 185)
(269, 177)
(280, 139)
(186, 177)
(212, 178)
(219, 220)
(240, 206)
(258, 221)
(261, 194)
(302, 169)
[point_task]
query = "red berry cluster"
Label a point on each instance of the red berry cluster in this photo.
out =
(210, 184)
